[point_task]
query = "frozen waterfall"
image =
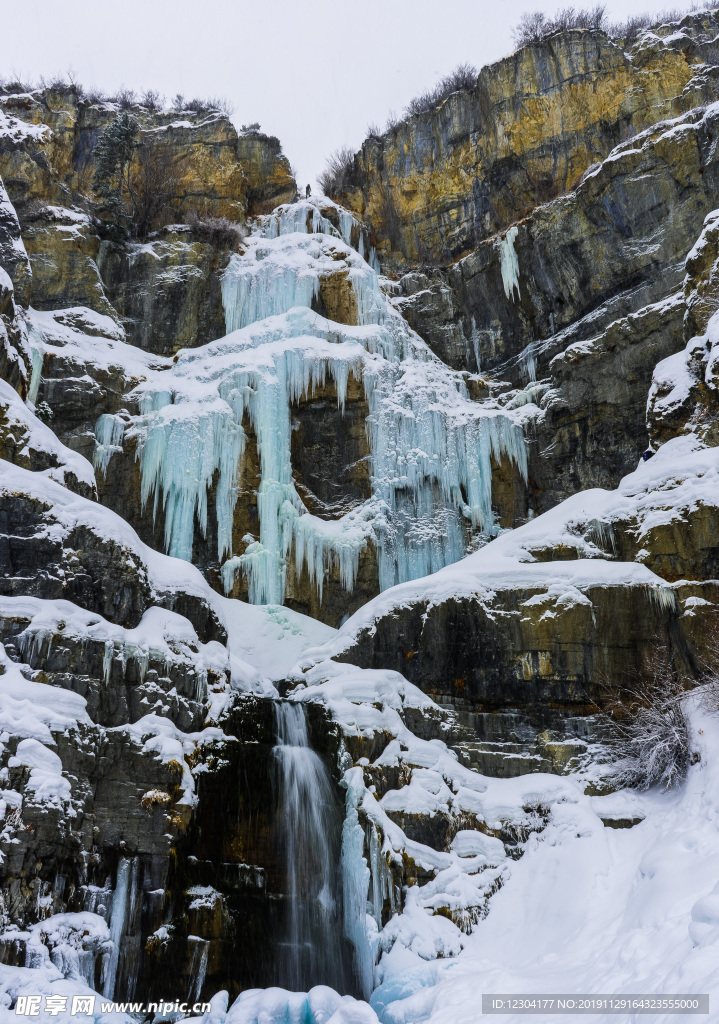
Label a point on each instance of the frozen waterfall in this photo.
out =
(431, 447)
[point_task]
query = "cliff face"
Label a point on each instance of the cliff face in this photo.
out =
(49, 140)
(204, 425)
(166, 294)
(433, 187)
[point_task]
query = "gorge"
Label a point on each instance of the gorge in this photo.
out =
(334, 532)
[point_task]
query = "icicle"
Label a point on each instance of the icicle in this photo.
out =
(529, 364)
(347, 222)
(431, 448)
(107, 661)
(255, 291)
(509, 263)
(109, 431)
(355, 882)
(37, 354)
(474, 338)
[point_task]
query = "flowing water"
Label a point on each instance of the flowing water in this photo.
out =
(308, 826)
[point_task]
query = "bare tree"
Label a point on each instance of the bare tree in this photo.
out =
(338, 172)
(152, 185)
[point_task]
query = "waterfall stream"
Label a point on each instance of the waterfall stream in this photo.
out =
(310, 949)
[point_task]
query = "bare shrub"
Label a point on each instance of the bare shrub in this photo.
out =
(219, 232)
(648, 731)
(392, 121)
(464, 76)
(155, 798)
(126, 98)
(93, 96)
(209, 105)
(338, 174)
(55, 83)
(627, 32)
(536, 25)
(708, 691)
(152, 100)
(14, 84)
(374, 131)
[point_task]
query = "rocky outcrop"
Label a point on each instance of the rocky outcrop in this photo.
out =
(55, 545)
(269, 177)
(526, 647)
(47, 142)
(592, 427)
(435, 185)
(49, 139)
(167, 292)
(63, 249)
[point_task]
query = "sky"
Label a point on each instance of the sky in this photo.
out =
(313, 72)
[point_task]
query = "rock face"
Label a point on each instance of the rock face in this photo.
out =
(508, 653)
(297, 429)
(167, 292)
(438, 183)
(576, 304)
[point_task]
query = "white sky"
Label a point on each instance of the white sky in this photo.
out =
(313, 72)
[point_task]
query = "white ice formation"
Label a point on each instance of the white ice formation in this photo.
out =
(431, 446)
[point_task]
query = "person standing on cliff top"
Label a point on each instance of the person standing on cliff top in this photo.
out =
(308, 191)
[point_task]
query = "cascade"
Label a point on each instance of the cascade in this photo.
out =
(198, 966)
(117, 926)
(307, 831)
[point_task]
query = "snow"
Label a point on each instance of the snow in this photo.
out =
(34, 710)
(36, 436)
(70, 511)
(586, 909)
(431, 446)
(682, 476)
(591, 909)
(268, 639)
(161, 737)
(161, 634)
(46, 781)
(19, 131)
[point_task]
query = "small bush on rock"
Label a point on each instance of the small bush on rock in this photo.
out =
(217, 231)
(535, 26)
